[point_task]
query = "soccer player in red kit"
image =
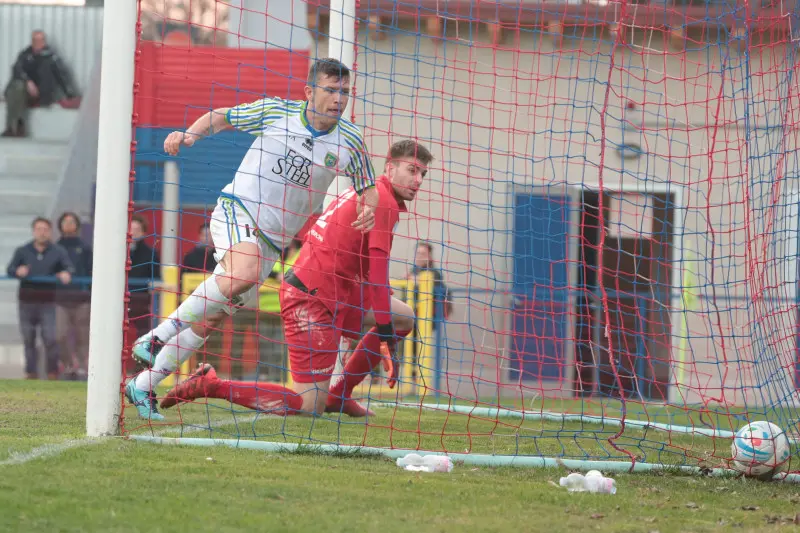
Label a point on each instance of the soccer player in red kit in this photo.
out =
(339, 285)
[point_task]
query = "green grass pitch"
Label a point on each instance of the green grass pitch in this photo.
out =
(52, 479)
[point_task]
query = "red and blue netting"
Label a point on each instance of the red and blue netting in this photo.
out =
(613, 210)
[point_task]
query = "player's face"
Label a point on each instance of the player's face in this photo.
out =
(42, 232)
(330, 98)
(406, 176)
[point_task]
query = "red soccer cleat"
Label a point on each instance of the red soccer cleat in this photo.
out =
(195, 387)
(349, 407)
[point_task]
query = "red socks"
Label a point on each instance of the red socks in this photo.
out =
(277, 399)
(364, 359)
(268, 397)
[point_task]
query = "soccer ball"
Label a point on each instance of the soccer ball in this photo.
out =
(759, 448)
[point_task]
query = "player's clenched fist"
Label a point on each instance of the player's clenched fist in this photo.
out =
(174, 140)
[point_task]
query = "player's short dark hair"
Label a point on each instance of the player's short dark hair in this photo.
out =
(327, 66)
(204, 226)
(68, 214)
(142, 222)
(41, 219)
(409, 149)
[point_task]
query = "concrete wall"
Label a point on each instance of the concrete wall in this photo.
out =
(711, 124)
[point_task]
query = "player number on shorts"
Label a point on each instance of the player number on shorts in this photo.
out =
(322, 221)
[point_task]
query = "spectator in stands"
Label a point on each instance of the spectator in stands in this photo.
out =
(74, 301)
(201, 257)
(33, 263)
(145, 269)
(423, 261)
(38, 78)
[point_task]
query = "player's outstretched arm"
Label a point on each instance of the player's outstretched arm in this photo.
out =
(362, 174)
(210, 123)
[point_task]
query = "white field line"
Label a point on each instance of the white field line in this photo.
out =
(50, 450)
(47, 450)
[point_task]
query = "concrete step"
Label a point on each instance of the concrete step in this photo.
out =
(9, 332)
(25, 166)
(30, 203)
(33, 148)
(11, 353)
(17, 221)
(32, 183)
(6, 252)
(50, 124)
(14, 234)
(27, 157)
(9, 315)
(12, 360)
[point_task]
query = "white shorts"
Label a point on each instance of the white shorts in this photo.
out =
(232, 224)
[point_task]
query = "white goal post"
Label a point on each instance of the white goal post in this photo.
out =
(111, 218)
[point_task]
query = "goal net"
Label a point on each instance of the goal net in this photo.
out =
(603, 256)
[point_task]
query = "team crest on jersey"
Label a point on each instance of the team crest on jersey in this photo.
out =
(331, 160)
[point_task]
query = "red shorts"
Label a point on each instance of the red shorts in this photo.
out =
(313, 332)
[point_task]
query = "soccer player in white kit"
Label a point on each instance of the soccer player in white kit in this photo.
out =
(300, 148)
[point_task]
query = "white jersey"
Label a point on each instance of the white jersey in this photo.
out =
(286, 173)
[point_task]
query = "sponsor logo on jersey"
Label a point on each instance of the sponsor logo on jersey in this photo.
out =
(323, 371)
(331, 160)
(308, 144)
(294, 167)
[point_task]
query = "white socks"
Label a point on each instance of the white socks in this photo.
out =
(206, 300)
(169, 359)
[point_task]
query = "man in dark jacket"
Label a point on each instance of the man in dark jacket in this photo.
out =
(145, 270)
(201, 257)
(40, 258)
(39, 77)
(74, 301)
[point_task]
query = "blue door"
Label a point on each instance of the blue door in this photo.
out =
(543, 238)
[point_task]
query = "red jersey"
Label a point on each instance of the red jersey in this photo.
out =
(335, 258)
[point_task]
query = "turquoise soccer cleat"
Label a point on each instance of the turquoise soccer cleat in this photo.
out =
(146, 348)
(144, 401)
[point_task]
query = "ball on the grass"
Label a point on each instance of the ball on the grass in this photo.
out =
(759, 448)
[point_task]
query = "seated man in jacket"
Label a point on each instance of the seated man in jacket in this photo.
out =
(39, 77)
